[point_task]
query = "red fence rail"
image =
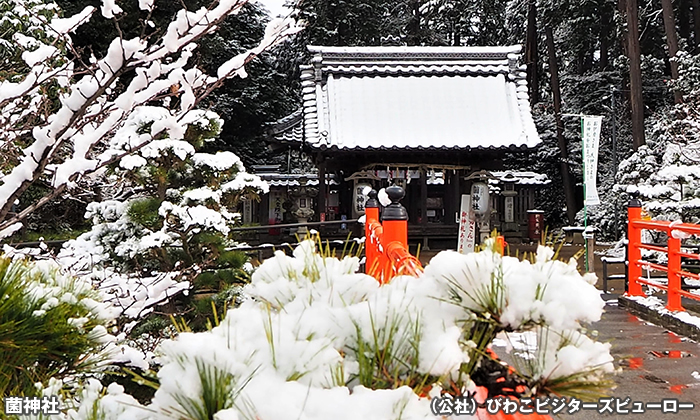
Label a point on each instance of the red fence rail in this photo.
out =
(673, 249)
(386, 243)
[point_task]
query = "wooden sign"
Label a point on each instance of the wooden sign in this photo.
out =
(467, 226)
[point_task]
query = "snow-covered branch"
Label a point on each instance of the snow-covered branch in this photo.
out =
(92, 107)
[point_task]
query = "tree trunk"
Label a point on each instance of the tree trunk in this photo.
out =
(671, 42)
(622, 10)
(579, 61)
(563, 146)
(605, 30)
(413, 28)
(696, 23)
(587, 64)
(634, 55)
(531, 53)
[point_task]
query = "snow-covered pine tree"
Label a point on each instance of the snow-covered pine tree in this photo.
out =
(175, 216)
(666, 174)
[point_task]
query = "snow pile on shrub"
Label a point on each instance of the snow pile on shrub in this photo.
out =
(305, 341)
(519, 293)
(59, 299)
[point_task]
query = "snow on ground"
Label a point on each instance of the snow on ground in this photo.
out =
(659, 306)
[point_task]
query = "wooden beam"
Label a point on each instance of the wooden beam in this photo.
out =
(458, 195)
(423, 196)
(322, 189)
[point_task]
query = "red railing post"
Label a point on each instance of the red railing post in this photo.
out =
(386, 244)
(501, 244)
(395, 224)
(634, 253)
(674, 277)
(395, 218)
(371, 215)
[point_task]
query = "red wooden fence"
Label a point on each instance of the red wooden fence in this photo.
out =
(675, 273)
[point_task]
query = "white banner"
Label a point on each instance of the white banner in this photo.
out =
(467, 226)
(591, 142)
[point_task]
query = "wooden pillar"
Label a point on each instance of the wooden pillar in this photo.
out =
(457, 193)
(322, 189)
(424, 196)
(447, 204)
(455, 198)
(264, 209)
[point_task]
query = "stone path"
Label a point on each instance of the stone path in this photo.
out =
(655, 364)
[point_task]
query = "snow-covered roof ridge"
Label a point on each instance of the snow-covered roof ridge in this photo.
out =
(427, 60)
(416, 52)
(417, 98)
(277, 179)
(287, 122)
(520, 177)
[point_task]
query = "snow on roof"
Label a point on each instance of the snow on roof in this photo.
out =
(412, 97)
(276, 179)
(520, 177)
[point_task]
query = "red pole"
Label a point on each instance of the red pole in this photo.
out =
(501, 244)
(371, 215)
(395, 230)
(634, 253)
(371, 239)
(674, 278)
(395, 224)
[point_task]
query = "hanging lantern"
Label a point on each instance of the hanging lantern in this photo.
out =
(359, 198)
(480, 198)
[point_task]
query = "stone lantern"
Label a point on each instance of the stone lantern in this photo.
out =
(303, 196)
(509, 194)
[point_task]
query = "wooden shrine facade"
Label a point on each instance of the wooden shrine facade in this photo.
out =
(426, 118)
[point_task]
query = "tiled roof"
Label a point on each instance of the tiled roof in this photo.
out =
(412, 98)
